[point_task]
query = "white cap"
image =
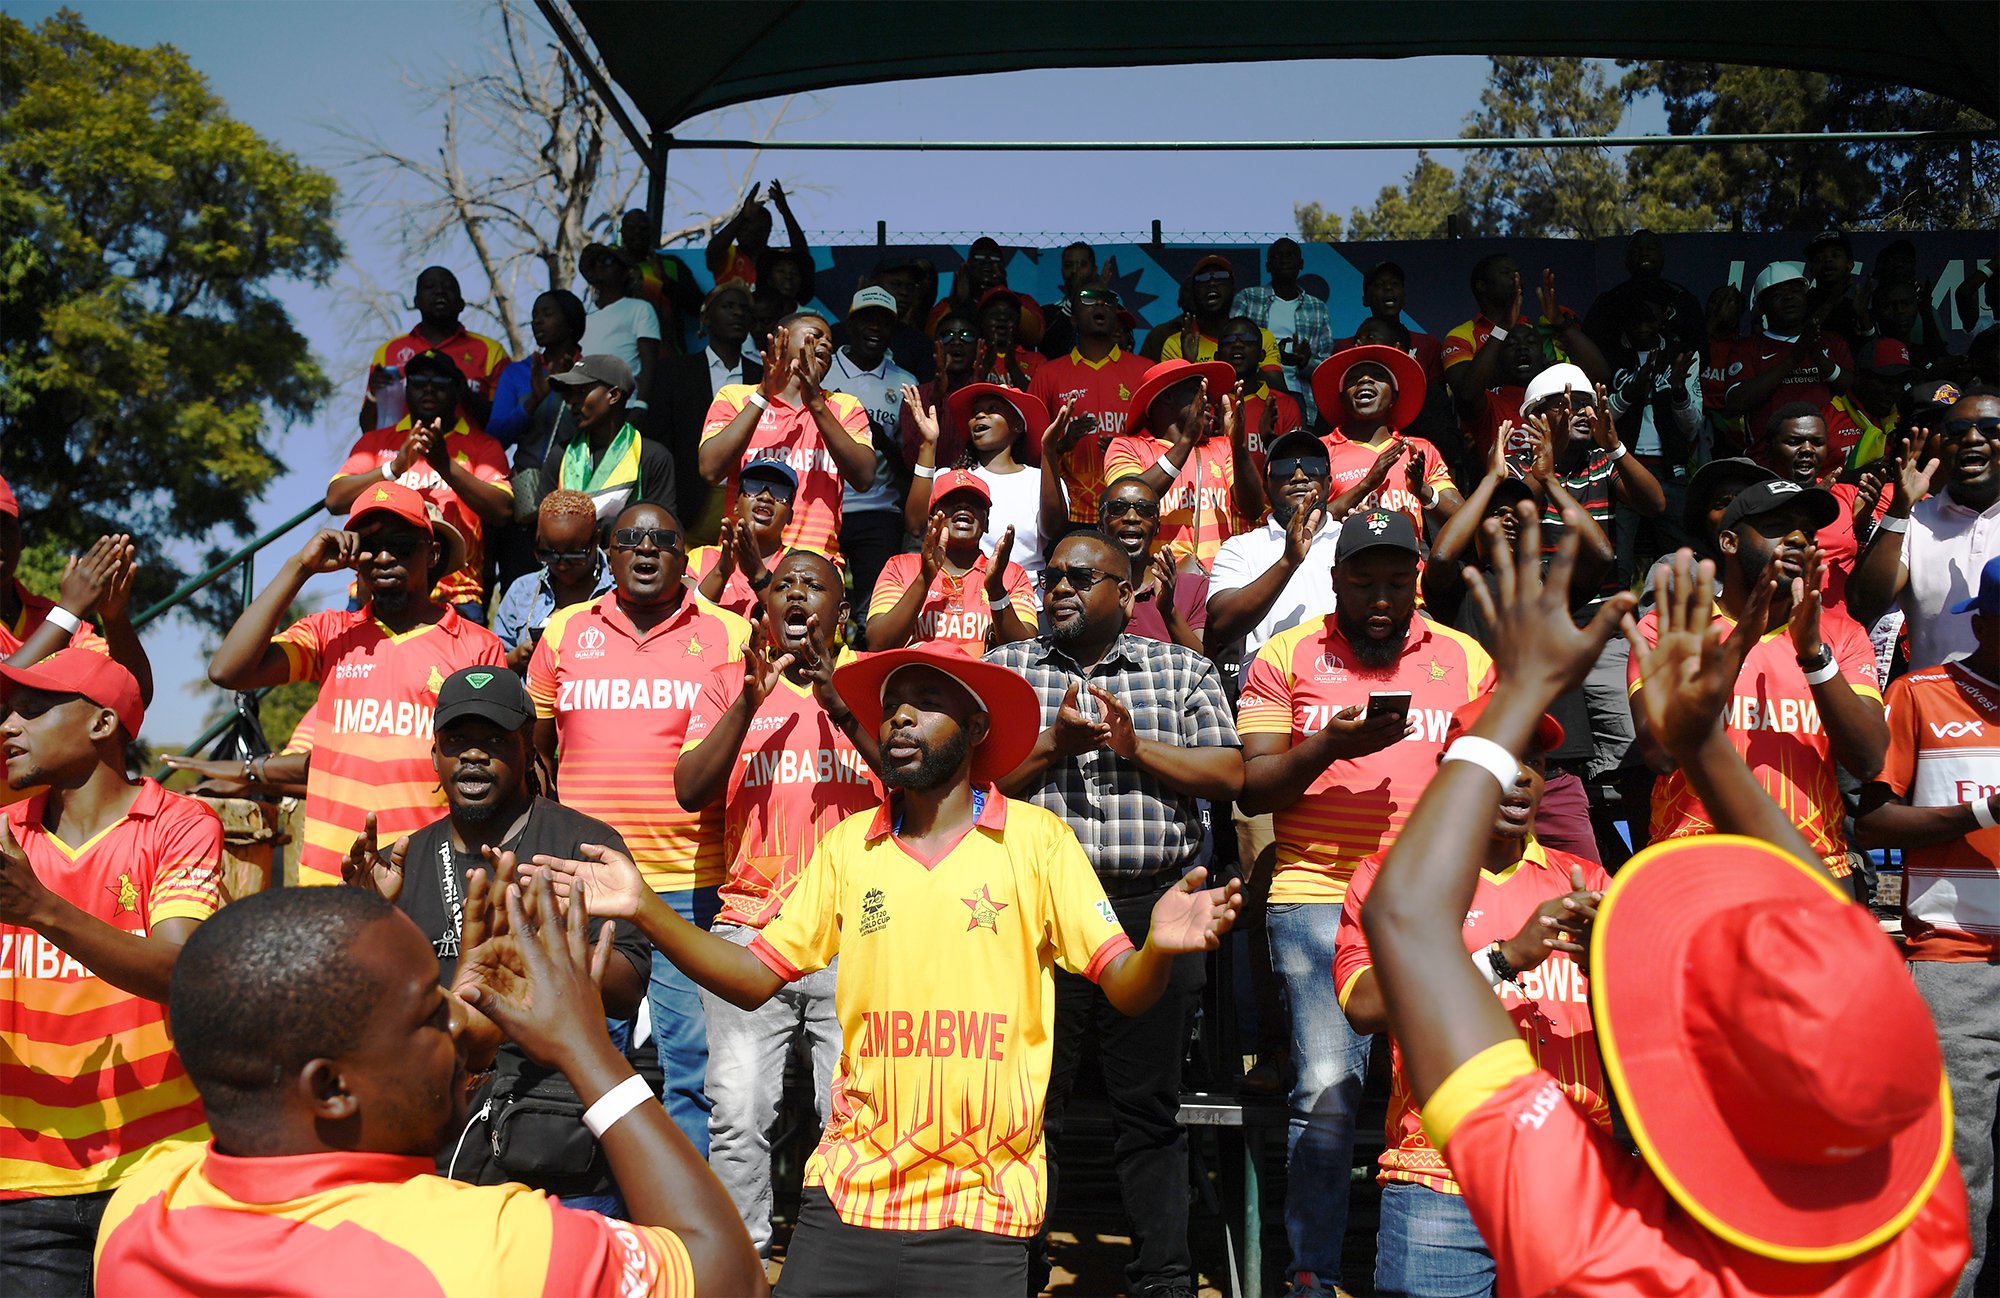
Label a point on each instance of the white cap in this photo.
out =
(1551, 382)
(881, 297)
(1778, 272)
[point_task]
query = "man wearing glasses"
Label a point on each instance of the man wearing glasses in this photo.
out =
(1097, 377)
(614, 682)
(452, 465)
(1135, 732)
(572, 571)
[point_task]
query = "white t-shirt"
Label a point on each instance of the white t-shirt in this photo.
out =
(1247, 556)
(1944, 550)
(1017, 503)
(1284, 321)
(615, 330)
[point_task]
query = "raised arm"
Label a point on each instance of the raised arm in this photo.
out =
(719, 456)
(141, 964)
(1231, 613)
(716, 255)
(1879, 574)
(247, 659)
(1856, 730)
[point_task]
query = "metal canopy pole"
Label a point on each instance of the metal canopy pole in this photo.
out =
(1309, 146)
(573, 44)
(656, 181)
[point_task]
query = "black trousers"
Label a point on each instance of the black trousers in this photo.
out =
(46, 1245)
(868, 540)
(830, 1259)
(1140, 1059)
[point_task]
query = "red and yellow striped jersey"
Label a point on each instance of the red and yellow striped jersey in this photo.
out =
(1944, 751)
(372, 737)
(946, 1007)
(790, 434)
(1773, 721)
(1351, 461)
(473, 451)
(1198, 511)
(796, 777)
(954, 610)
(1103, 390)
(89, 1080)
(194, 1221)
(1354, 808)
(621, 701)
(1550, 1007)
(34, 612)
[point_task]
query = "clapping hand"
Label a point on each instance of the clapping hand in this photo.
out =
(370, 869)
(996, 571)
(1072, 733)
(92, 577)
(1806, 593)
(1535, 642)
(1189, 918)
(1689, 672)
(23, 895)
(540, 987)
(1558, 924)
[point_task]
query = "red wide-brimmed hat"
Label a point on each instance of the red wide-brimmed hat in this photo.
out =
(1330, 377)
(1548, 731)
(1777, 1067)
(1034, 415)
(1219, 375)
(1014, 713)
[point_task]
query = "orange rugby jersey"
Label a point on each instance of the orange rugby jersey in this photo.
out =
(797, 776)
(1103, 390)
(946, 1008)
(789, 433)
(1353, 809)
(1553, 1016)
(1349, 462)
(372, 739)
(621, 703)
(89, 1079)
(471, 449)
(192, 1221)
(1775, 724)
(1944, 751)
(955, 608)
(1198, 511)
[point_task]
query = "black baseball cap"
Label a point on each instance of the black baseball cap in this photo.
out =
(1702, 486)
(611, 371)
(1510, 491)
(1299, 442)
(1374, 528)
(432, 361)
(492, 693)
(1761, 498)
(1930, 398)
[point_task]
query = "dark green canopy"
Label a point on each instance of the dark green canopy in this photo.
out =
(677, 58)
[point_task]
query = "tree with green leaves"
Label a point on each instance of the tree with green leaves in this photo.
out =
(144, 359)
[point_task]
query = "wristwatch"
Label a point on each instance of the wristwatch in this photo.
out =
(1819, 661)
(762, 582)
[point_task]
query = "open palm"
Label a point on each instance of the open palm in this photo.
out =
(1191, 918)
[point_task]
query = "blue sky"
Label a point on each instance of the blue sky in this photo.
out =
(298, 72)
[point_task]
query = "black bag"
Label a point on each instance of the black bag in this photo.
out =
(527, 1126)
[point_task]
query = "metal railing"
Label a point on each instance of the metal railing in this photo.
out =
(246, 558)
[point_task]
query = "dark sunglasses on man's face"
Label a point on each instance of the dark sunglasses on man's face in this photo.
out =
(1988, 426)
(1098, 295)
(958, 336)
(1285, 466)
(430, 381)
(982, 259)
(1245, 340)
(664, 539)
(399, 544)
(550, 558)
(1143, 508)
(1080, 578)
(776, 488)
(1214, 276)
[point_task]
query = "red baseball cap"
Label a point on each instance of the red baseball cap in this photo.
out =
(1329, 379)
(390, 498)
(1034, 415)
(1777, 1067)
(86, 673)
(8, 505)
(1548, 731)
(1887, 356)
(1013, 712)
(959, 480)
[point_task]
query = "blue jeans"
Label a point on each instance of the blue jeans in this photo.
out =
(1428, 1247)
(604, 1205)
(680, 1035)
(1329, 1060)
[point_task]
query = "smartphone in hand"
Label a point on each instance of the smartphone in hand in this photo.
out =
(1381, 702)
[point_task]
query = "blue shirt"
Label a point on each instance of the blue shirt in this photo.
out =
(880, 392)
(529, 601)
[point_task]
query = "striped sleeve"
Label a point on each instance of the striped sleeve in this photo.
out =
(1265, 706)
(727, 405)
(594, 1256)
(1082, 927)
(1020, 592)
(187, 876)
(542, 664)
(896, 576)
(303, 643)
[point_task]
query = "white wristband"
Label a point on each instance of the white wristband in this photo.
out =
(1619, 452)
(1890, 523)
(615, 1104)
(63, 618)
(1173, 470)
(1824, 674)
(1482, 960)
(1487, 756)
(759, 400)
(1497, 334)
(1000, 603)
(919, 471)
(389, 471)
(1982, 812)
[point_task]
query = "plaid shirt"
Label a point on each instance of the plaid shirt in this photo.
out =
(1312, 324)
(1140, 835)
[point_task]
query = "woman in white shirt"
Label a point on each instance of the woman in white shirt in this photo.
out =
(621, 323)
(1004, 428)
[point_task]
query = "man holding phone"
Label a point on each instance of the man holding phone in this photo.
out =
(1341, 781)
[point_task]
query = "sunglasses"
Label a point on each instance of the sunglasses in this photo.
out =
(1080, 579)
(1098, 295)
(1573, 402)
(631, 538)
(1285, 466)
(776, 488)
(1214, 276)
(1988, 427)
(400, 544)
(958, 336)
(982, 259)
(1120, 508)
(550, 558)
(429, 381)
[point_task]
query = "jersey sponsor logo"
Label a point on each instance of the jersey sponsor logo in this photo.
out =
(627, 694)
(1973, 790)
(353, 671)
(1544, 1102)
(590, 643)
(1781, 716)
(790, 766)
(1105, 913)
(635, 1263)
(985, 910)
(1957, 729)
(934, 1034)
(382, 717)
(1328, 667)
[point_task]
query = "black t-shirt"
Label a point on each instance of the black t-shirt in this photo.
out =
(432, 866)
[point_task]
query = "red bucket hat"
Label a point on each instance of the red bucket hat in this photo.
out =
(86, 673)
(1034, 415)
(1776, 1065)
(1219, 375)
(1330, 377)
(8, 505)
(1014, 713)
